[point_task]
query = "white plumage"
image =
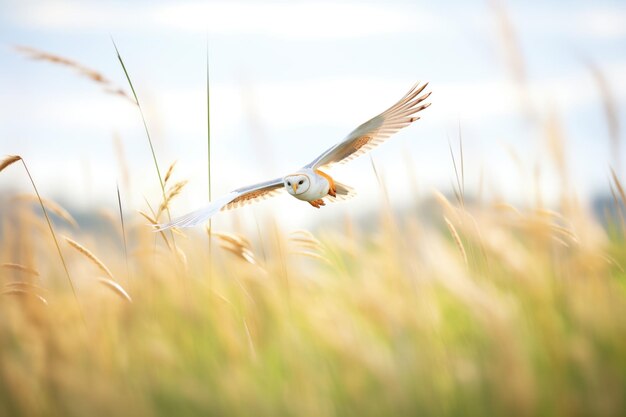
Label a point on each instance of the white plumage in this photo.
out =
(310, 183)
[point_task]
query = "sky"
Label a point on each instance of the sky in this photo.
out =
(288, 79)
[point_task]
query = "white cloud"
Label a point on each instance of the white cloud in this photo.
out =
(601, 23)
(340, 102)
(297, 20)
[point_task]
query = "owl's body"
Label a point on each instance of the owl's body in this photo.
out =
(310, 183)
(318, 191)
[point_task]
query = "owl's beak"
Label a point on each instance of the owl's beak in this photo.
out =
(295, 187)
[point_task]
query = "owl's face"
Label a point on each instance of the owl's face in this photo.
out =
(296, 183)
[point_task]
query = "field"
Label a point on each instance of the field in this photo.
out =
(489, 311)
(466, 306)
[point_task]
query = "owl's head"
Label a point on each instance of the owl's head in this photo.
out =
(296, 183)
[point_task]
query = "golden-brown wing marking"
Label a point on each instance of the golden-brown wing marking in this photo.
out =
(252, 197)
(376, 130)
(236, 198)
(361, 142)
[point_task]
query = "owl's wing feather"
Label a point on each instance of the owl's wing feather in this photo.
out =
(234, 199)
(253, 193)
(377, 130)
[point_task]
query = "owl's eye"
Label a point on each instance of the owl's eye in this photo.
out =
(301, 182)
(289, 183)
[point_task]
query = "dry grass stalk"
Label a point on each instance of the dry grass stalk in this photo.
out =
(16, 291)
(232, 238)
(310, 254)
(168, 174)
(307, 245)
(173, 191)
(305, 236)
(619, 206)
(84, 71)
(507, 207)
(116, 287)
(610, 260)
(145, 125)
(11, 159)
(5, 163)
(146, 216)
(24, 286)
(565, 232)
(445, 203)
(618, 185)
(457, 238)
(52, 207)
(249, 337)
(122, 224)
(560, 241)
(237, 245)
(549, 213)
(21, 268)
(155, 225)
(459, 187)
(93, 258)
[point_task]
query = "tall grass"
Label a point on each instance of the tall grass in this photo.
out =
(471, 308)
(533, 323)
(5, 163)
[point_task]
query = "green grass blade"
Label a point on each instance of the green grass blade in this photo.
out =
(56, 242)
(119, 205)
(145, 125)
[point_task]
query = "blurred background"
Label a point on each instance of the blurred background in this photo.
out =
(290, 79)
(479, 271)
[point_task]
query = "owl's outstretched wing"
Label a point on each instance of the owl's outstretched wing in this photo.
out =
(234, 199)
(377, 130)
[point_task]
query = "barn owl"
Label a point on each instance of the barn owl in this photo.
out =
(310, 183)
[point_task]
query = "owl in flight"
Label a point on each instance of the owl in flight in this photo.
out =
(310, 183)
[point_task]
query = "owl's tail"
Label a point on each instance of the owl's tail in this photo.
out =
(344, 192)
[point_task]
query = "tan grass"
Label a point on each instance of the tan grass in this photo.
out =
(52, 207)
(82, 70)
(116, 288)
(11, 159)
(445, 203)
(565, 232)
(309, 254)
(307, 245)
(89, 255)
(169, 172)
(171, 193)
(236, 245)
(457, 238)
(8, 161)
(155, 224)
(618, 184)
(21, 292)
(21, 268)
(501, 206)
(25, 286)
